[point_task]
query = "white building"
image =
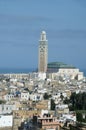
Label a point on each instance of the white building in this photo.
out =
(24, 95)
(6, 120)
(62, 109)
(42, 76)
(9, 97)
(6, 108)
(56, 69)
(42, 90)
(70, 117)
(36, 97)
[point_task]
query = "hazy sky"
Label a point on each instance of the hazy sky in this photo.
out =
(21, 22)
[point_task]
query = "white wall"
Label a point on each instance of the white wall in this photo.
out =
(34, 97)
(24, 95)
(6, 121)
(42, 76)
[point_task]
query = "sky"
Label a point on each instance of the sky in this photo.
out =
(22, 21)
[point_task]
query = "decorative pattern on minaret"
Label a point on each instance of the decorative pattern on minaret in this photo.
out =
(43, 53)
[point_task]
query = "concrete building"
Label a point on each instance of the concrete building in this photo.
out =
(36, 97)
(24, 95)
(56, 69)
(6, 121)
(61, 109)
(44, 104)
(43, 53)
(46, 121)
(9, 97)
(7, 108)
(60, 67)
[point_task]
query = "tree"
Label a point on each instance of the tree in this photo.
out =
(61, 96)
(52, 104)
(77, 101)
(81, 116)
(2, 101)
(46, 96)
(66, 101)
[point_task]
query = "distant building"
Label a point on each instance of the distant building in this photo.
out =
(43, 53)
(61, 69)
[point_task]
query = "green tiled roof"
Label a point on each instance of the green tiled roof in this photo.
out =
(59, 65)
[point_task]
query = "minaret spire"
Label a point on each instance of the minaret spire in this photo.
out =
(43, 52)
(43, 36)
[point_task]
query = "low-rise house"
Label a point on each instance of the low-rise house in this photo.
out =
(2, 94)
(39, 76)
(44, 104)
(42, 90)
(9, 97)
(13, 88)
(7, 108)
(57, 97)
(24, 95)
(61, 109)
(6, 121)
(36, 97)
(70, 117)
(46, 121)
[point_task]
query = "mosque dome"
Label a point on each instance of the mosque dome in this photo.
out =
(55, 66)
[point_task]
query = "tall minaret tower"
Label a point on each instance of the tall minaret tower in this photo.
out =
(43, 53)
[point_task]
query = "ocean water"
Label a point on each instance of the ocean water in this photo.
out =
(84, 71)
(16, 70)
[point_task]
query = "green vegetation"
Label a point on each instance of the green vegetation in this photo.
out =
(2, 102)
(81, 116)
(76, 101)
(52, 104)
(46, 96)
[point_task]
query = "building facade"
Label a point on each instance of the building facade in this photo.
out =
(6, 108)
(6, 121)
(43, 53)
(64, 70)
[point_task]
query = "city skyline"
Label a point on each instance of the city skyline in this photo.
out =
(21, 22)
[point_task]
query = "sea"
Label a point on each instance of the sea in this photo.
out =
(84, 71)
(25, 70)
(16, 70)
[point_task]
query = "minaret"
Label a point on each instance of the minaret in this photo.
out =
(43, 53)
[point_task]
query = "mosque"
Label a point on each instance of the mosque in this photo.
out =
(54, 67)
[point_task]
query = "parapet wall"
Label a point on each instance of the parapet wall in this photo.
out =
(6, 128)
(23, 114)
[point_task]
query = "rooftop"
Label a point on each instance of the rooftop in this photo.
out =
(59, 65)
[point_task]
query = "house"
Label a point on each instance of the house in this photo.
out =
(44, 104)
(36, 97)
(9, 97)
(46, 121)
(6, 121)
(61, 109)
(7, 108)
(24, 95)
